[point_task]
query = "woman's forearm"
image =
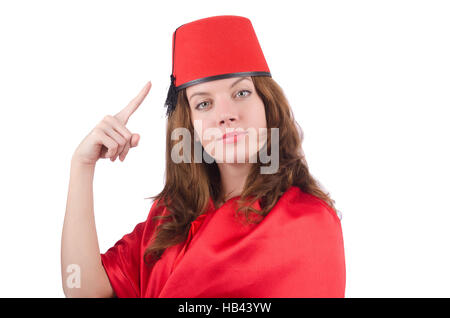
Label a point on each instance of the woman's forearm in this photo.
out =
(80, 253)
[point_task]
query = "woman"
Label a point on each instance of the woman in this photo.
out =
(231, 221)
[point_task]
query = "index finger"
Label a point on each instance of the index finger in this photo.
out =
(125, 113)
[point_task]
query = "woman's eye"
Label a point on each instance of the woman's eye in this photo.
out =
(243, 91)
(198, 106)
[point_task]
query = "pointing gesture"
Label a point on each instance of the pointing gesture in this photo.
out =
(110, 138)
(125, 113)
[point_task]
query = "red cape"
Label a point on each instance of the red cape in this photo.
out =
(296, 251)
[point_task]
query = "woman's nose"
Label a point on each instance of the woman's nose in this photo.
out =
(227, 120)
(226, 112)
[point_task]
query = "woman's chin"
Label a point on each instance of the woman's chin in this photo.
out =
(236, 158)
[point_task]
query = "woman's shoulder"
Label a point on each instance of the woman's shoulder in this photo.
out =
(306, 205)
(158, 209)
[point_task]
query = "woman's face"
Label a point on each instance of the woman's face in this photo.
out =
(227, 106)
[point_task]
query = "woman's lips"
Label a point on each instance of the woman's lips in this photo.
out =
(232, 136)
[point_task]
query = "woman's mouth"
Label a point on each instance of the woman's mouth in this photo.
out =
(232, 137)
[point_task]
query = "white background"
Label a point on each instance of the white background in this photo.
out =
(369, 82)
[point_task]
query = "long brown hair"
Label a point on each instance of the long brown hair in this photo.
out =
(188, 186)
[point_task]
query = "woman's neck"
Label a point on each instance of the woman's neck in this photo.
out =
(233, 177)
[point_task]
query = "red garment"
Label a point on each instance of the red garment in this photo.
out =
(297, 250)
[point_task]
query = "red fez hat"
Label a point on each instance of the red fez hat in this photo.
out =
(213, 48)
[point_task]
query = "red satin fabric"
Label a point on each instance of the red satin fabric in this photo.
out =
(297, 250)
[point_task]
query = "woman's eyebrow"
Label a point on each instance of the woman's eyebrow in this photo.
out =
(205, 93)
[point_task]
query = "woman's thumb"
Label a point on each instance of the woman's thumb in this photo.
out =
(135, 140)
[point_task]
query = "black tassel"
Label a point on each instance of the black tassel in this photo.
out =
(172, 97)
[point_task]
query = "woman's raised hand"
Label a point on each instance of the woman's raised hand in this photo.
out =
(110, 138)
